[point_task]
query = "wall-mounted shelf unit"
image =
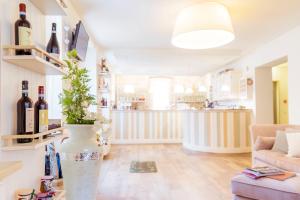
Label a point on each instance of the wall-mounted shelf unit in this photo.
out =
(104, 109)
(36, 62)
(50, 7)
(10, 143)
(7, 168)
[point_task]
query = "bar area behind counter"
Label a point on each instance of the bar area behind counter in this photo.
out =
(218, 131)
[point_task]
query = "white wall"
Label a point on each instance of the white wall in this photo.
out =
(10, 87)
(11, 77)
(287, 45)
(91, 65)
(264, 95)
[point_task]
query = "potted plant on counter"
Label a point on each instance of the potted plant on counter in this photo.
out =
(80, 154)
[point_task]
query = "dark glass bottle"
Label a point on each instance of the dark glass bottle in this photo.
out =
(52, 46)
(41, 112)
(23, 31)
(24, 115)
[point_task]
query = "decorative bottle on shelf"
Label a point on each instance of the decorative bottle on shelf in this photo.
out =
(25, 115)
(41, 112)
(103, 67)
(23, 31)
(103, 102)
(52, 46)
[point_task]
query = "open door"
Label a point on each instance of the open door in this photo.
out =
(280, 93)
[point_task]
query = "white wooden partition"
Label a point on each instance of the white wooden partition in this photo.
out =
(146, 127)
(219, 131)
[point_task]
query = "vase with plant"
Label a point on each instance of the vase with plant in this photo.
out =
(80, 154)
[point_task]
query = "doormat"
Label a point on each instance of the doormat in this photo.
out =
(143, 167)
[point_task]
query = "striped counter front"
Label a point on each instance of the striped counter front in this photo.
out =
(149, 126)
(218, 131)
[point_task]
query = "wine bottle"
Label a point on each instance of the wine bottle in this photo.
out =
(24, 115)
(23, 31)
(41, 112)
(52, 46)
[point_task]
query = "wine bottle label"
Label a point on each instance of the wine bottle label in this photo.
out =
(29, 120)
(43, 120)
(55, 55)
(24, 36)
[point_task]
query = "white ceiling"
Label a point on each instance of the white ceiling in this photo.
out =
(138, 32)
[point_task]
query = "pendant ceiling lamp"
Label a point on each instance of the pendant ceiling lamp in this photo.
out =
(203, 26)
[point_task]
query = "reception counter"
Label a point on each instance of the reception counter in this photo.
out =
(219, 131)
(149, 126)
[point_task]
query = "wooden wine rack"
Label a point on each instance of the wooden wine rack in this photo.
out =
(10, 143)
(36, 61)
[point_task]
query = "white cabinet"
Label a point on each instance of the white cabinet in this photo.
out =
(226, 85)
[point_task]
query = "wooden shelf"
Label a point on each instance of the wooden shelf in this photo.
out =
(50, 7)
(188, 102)
(10, 143)
(107, 74)
(103, 90)
(36, 62)
(9, 167)
(104, 107)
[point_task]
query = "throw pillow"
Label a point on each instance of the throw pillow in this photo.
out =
(293, 140)
(264, 143)
(280, 144)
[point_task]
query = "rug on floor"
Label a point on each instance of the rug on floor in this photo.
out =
(143, 167)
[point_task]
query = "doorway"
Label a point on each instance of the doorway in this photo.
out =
(271, 92)
(280, 93)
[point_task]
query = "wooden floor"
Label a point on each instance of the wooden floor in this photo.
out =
(182, 175)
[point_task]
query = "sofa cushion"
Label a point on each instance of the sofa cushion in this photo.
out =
(280, 142)
(278, 159)
(293, 142)
(265, 188)
(264, 143)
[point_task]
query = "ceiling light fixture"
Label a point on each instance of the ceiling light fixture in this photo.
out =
(203, 26)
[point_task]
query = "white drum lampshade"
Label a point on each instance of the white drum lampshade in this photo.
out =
(203, 26)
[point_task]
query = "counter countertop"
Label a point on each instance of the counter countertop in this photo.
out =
(209, 110)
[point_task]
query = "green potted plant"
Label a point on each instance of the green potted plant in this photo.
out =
(81, 155)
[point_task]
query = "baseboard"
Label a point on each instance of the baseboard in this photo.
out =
(148, 141)
(217, 149)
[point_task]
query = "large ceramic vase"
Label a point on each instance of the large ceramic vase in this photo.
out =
(81, 160)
